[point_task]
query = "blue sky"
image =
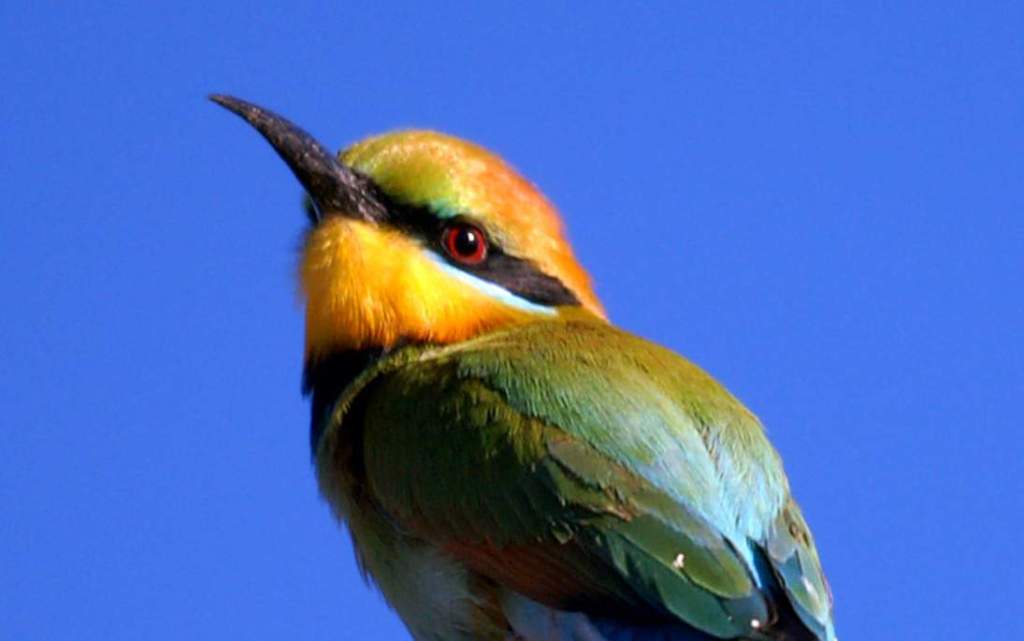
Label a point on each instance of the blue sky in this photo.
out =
(820, 204)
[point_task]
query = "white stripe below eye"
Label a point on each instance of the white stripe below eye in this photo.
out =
(490, 289)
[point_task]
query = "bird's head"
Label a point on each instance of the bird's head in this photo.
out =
(418, 236)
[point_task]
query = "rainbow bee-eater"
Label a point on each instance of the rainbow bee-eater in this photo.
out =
(510, 465)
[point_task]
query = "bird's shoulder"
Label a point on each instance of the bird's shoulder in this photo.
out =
(631, 400)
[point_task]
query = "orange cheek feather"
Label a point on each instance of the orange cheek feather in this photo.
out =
(367, 286)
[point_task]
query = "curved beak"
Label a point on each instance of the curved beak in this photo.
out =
(333, 187)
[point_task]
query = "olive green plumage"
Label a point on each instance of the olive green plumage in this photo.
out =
(583, 468)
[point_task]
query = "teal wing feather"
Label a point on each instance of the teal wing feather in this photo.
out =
(588, 469)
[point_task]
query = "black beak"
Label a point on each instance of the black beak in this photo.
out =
(333, 187)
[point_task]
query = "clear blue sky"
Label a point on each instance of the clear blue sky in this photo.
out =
(822, 205)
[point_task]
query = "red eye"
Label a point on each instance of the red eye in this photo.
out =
(465, 243)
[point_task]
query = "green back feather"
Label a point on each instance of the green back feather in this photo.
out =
(577, 434)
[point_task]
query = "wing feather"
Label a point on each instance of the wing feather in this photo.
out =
(588, 469)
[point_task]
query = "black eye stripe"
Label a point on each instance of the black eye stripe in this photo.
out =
(517, 275)
(522, 278)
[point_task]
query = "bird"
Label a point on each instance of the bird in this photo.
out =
(510, 465)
